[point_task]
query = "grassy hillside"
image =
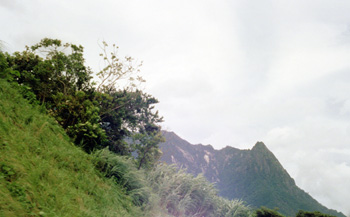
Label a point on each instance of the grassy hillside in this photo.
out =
(43, 174)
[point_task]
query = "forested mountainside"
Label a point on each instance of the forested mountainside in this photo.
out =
(255, 175)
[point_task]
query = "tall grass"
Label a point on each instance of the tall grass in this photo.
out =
(43, 174)
(123, 171)
(181, 194)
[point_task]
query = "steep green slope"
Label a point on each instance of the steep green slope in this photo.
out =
(258, 178)
(255, 175)
(43, 174)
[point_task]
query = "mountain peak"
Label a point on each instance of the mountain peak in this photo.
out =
(254, 175)
(260, 146)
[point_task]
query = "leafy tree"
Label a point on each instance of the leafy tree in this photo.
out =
(79, 115)
(56, 74)
(146, 146)
(51, 67)
(3, 62)
(115, 114)
(7, 73)
(66, 65)
(24, 63)
(126, 114)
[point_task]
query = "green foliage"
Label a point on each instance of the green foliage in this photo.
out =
(5, 71)
(43, 174)
(65, 63)
(54, 73)
(12, 76)
(7, 172)
(130, 114)
(51, 67)
(80, 117)
(265, 212)
(302, 213)
(146, 146)
(3, 62)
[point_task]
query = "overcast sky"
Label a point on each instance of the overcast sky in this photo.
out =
(226, 73)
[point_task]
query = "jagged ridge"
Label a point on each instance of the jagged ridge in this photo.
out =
(255, 175)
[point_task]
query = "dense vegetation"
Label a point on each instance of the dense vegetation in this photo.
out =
(70, 147)
(43, 174)
(53, 74)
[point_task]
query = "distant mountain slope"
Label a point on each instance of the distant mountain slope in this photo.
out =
(255, 175)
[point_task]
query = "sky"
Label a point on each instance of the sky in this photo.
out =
(226, 73)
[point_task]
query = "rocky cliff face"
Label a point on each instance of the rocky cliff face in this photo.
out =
(255, 175)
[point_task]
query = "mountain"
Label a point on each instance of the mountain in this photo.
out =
(254, 175)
